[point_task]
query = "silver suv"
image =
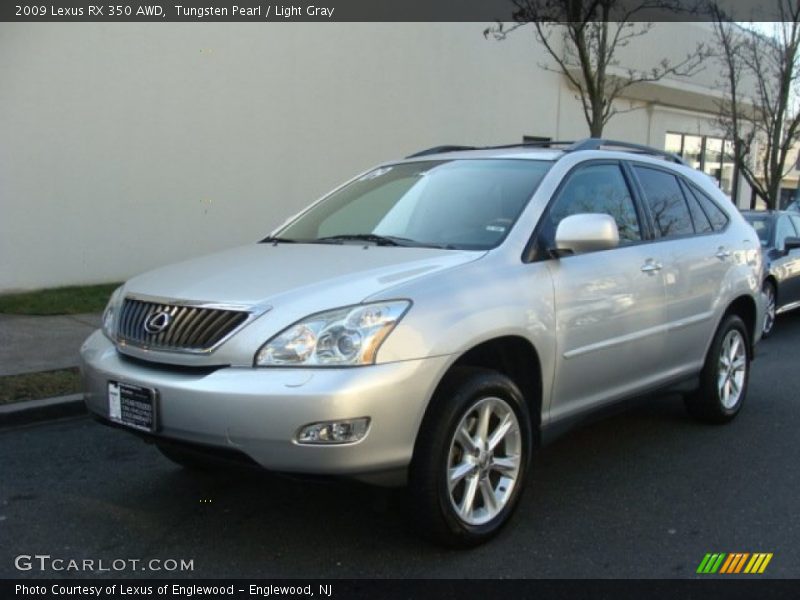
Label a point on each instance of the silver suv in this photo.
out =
(435, 319)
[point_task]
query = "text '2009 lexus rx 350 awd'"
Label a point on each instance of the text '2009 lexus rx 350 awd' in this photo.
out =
(434, 320)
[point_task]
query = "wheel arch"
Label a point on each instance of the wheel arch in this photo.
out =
(745, 308)
(513, 356)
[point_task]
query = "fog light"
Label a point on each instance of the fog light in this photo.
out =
(334, 432)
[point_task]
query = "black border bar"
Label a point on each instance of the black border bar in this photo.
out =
(389, 589)
(483, 11)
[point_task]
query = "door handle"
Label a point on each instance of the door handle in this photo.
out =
(651, 267)
(722, 253)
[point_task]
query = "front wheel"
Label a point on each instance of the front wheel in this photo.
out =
(724, 378)
(471, 458)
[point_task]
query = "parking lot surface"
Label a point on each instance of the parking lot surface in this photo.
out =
(646, 493)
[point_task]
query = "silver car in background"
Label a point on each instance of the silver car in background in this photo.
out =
(436, 319)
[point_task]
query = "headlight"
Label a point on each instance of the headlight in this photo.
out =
(110, 313)
(345, 336)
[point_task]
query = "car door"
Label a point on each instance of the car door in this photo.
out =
(609, 305)
(786, 264)
(695, 258)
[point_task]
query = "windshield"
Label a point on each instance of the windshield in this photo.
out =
(459, 204)
(763, 227)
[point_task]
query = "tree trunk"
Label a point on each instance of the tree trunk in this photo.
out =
(596, 128)
(596, 124)
(774, 194)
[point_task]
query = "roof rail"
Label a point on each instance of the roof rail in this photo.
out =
(539, 144)
(439, 149)
(599, 143)
(569, 146)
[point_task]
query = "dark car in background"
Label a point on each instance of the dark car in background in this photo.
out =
(779, 232)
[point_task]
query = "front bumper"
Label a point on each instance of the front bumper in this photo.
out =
(259, 411)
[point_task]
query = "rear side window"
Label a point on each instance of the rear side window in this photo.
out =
(668, 207)
(718, 218)
(598, 188)
(702, 224)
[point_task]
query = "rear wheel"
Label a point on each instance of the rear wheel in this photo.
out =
(771, 308)
(471, 458)
(724, 378)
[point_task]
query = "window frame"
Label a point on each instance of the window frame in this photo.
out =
(690, 195)
(693, 200)
(695, 189)
(656, 233)
(686, 185)
(532, 251)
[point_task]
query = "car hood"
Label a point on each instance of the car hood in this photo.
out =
(266, 273)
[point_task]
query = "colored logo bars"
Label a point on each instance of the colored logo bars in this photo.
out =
(737, 562)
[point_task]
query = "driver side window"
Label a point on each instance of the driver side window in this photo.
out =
(599, 188)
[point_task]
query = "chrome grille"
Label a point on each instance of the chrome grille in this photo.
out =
(189, 329)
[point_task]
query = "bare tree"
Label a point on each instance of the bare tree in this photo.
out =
(591, 32)
(760, 112)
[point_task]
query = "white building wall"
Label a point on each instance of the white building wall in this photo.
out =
(127, 146)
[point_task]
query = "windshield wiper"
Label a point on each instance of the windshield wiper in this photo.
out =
(277, 240)
(378, 240)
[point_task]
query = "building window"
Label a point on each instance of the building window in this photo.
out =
(712, 155)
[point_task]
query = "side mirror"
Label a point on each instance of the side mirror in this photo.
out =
(791, 243)
(586, 232)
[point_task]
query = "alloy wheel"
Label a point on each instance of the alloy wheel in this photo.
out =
(732, 369)
(484, 461)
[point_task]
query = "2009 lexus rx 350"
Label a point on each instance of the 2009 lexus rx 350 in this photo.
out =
(435, 319)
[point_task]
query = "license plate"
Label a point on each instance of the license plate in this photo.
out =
(132, 405)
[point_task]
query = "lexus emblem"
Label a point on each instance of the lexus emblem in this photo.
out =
(157, 322)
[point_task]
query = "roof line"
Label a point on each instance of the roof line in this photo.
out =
(568, 146)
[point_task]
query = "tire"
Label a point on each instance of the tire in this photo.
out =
(725, 375)
(450, 444)
(769, 319)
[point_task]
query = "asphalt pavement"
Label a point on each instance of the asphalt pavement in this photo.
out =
(644, 494)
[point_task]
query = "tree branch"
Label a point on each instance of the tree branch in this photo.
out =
(590, 47)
